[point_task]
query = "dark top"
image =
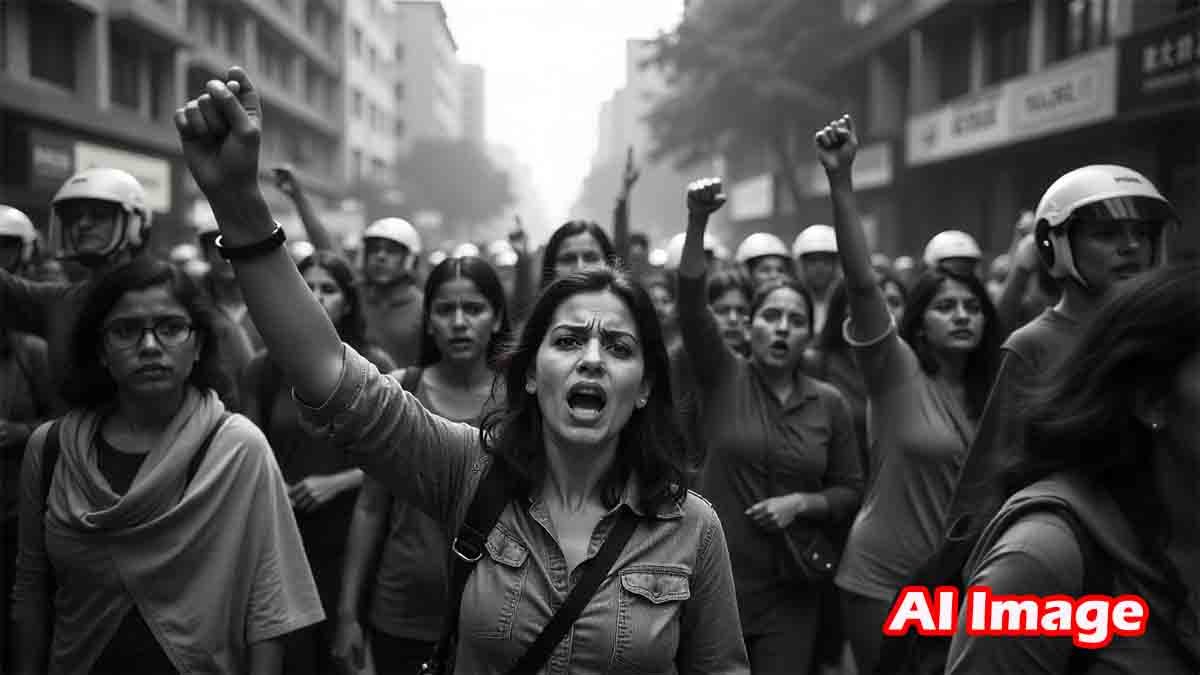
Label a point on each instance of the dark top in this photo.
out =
(1031, 351)
(133, 649)
(25, 398)
(758, 448)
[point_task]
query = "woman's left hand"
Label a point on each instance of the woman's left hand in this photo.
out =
(314, 492)
(776, 513)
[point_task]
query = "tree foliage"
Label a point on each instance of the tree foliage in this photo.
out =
(455, 178)
(746, 73)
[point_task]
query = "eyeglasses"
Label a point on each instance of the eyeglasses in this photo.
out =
(171, 332)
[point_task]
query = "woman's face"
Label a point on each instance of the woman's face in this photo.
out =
(732, 311)
(664, 305)
(954, 319)
(461, 321)
(327, 292)
(148, 345)
(780, 331)
(577, 253)
(894, 299)
(589, 372)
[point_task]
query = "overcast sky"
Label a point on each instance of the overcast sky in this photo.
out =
(549, 64)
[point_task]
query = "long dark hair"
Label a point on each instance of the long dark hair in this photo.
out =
(650, 445)
(570, 229)
(479, 272)
(983, 362)
(832, 338)
(764, 291)
(1081, 417)
(727, 279)
(352, 327)
(88, 383)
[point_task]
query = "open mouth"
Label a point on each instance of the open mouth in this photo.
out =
(778, 349)
(586, 400)
(962, 334)
(461, 342)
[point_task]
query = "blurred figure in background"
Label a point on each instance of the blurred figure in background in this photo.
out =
(765, 257)
(576, 245)
(322, 486)
(391, 301)
(816, 254)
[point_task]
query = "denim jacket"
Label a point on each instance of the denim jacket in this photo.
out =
(668, 606)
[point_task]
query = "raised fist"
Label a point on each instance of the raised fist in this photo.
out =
(837, 144)
(705, 196)
(286, 181)
(631, 174)
(220, 132)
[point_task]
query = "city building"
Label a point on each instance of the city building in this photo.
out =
(91, 83)
(371, 93)
(473, 103)
(968, 111)
(427, 90)
(293, 49)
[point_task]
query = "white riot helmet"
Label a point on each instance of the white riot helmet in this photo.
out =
(398, 230)
(15, 224)
(815, 239)
(758, 245)
(132, 228)
(675, 249)
(502, 254)
(1096, 193)
(951, 244)
(657, 257)
(466, 250)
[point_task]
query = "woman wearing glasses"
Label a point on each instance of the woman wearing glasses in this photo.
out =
(165, 541)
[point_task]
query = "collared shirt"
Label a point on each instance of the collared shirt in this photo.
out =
(667, 606)
(394, 321)
(757, 448)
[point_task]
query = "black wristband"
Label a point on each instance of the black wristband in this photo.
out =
(254, 250)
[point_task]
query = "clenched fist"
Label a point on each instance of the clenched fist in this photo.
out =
(837, 144)
(220, 132)
(705, 196)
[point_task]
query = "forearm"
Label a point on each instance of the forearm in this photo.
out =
(318, 235)
(693, 263)
(1008, 308)
(363, 541)
(281, 305)
(266, 657)
(351, 479)
(868, 309)
(621, 228)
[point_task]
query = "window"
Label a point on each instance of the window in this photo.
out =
(356, 165)
(216, 21)
(358, 105)
(953, 46)
(400, 128)
(125, 66)
(399, 53)
(356, 41)
(161, 69)
(398, 90)
(372, 59)
(233, 36)
(1007, 29)
(1077, 26)
(52, 36)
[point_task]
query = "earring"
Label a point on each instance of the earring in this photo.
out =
(1154, 426)
(530, 387)
(641, 403)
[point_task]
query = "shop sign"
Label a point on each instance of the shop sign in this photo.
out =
(154, 174)
(1160, 67)
(961, 128)
(52, 160)
(872, 169)
(752, 198)
(1074, 94)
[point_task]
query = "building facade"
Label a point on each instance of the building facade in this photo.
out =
(429, 101)
(370, 92)
(968, 111)
(474, 107)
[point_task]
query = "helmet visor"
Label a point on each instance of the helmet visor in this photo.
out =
(1141, 209)
(89, 226)
(11, 248)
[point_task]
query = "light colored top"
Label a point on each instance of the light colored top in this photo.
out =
(919, 434)
(212, 570)
(667, 606)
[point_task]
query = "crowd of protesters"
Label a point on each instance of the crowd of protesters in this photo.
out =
(254, 456)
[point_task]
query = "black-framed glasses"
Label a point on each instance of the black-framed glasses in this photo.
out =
(170, 331)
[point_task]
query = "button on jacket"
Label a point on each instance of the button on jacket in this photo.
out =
(667, 606)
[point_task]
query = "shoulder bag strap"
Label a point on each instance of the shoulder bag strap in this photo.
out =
(597, 570)
(51, 449)
(468, 547)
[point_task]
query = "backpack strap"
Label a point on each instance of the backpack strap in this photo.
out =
(469, 545)
(1097, 578)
